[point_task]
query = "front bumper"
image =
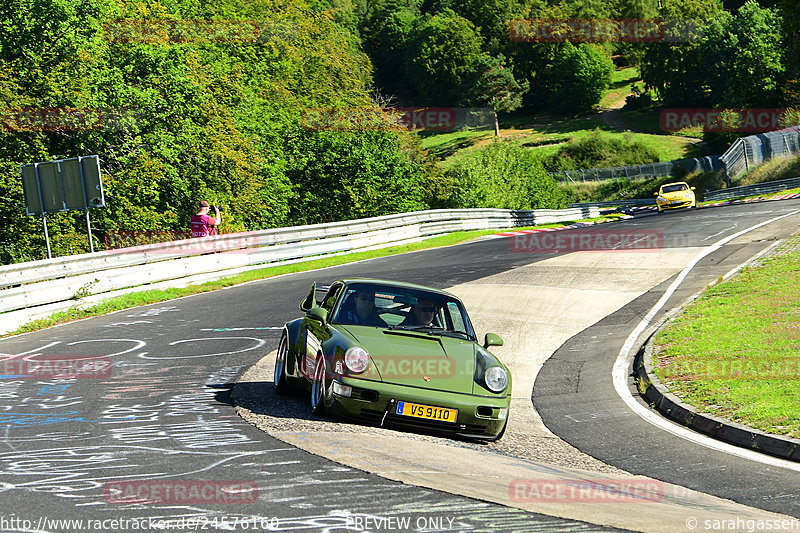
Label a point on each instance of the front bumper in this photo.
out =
(675, 204)
(376, 402)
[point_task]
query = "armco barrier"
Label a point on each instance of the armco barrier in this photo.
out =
(39, 288)
(638, 202)
(752, 190)
(647, 170)
(747, 153)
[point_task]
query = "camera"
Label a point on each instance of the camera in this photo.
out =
(218, 207)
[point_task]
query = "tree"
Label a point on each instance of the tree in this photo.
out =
(211, 120)
(491, 18)
(671, 67)
(387, 34)
(578, 78)
(790, 11)
(440, 55)
(492, 84)
(635, 9)
(742, 57)
(347, 175)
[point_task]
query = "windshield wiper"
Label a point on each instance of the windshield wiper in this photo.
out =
(412, 327)
(434, 330)
(454, 334)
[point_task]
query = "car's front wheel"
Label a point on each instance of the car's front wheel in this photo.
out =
(279, 382)
(318, 387)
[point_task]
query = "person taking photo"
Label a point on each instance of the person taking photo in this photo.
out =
(203, 225)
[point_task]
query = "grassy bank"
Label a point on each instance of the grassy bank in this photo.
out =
(735, 352)
(545, 134)
(774, 169)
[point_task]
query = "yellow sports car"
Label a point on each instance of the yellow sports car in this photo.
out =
(675, 196)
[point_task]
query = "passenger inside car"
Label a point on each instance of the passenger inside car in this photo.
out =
(423, 313)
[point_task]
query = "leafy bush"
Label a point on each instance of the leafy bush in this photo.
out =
(600, 150)
(579, 77)
(345, 175)
(504, 176)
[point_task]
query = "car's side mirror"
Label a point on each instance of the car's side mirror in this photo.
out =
(655, 194)
(318, 313)
(492, 339)
(310, 300)
(692, 188)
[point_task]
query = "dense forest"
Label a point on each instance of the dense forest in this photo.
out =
(185, 100)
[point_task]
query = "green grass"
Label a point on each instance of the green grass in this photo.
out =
(621, 81)
(774, 169)
(735, 352)
(146, 297)
(647, 120)
(544, 133)
(546, 137)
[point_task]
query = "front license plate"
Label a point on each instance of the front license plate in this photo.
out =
(676, 202)
(426, 411)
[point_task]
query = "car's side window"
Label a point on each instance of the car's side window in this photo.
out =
(455, 318)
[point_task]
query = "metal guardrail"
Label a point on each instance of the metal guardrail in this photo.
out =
(39, 288)
(752, 190)
(743, 155)
(618, 203)
(749, 152)
(659, 170)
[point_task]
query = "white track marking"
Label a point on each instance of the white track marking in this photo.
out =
(623, 364)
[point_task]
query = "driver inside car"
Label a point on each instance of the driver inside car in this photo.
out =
(361, 310)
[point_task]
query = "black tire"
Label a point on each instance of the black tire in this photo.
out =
(318, 387)
(279, 381)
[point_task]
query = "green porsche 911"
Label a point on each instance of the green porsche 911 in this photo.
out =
(395, 354)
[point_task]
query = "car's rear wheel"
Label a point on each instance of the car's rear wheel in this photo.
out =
(279, 382)
(318, 387)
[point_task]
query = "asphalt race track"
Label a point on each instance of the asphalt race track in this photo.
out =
(576, 399)
(163, 417)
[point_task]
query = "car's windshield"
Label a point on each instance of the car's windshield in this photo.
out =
(674, 188)
(402, 308)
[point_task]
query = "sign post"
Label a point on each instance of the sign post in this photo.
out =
(63, 185)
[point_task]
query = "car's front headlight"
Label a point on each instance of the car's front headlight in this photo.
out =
(496, 378)
(356, 359)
